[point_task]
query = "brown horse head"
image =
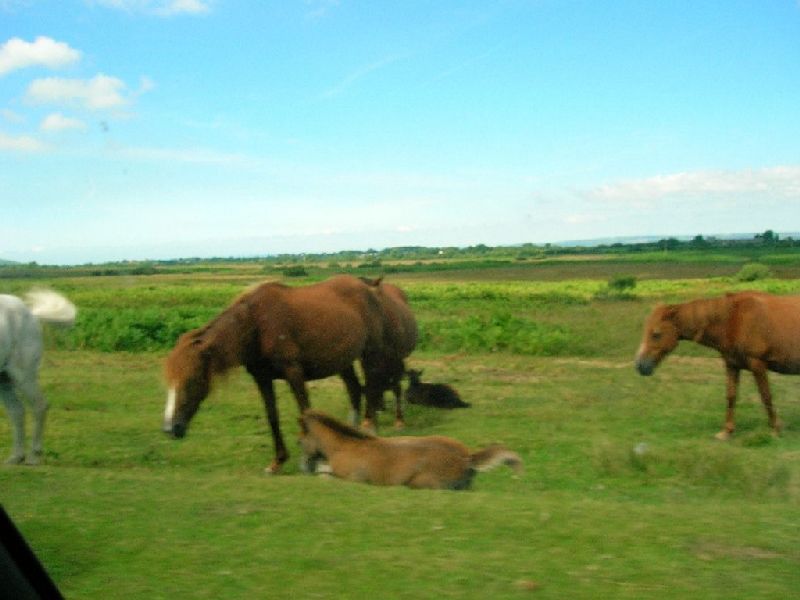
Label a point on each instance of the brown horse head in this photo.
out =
(660, 337)
(188, 374)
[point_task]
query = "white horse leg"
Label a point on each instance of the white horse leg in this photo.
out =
(38, 405)
(16, 414)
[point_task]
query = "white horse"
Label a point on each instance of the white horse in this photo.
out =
(20, 354)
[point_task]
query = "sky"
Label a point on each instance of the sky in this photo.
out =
(159, 129)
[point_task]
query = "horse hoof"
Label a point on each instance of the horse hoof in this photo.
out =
(33, 461)
(15, 459)
(723, 435)
(273, 469)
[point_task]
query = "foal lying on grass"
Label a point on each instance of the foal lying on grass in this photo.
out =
(419, 462)
(438, 395)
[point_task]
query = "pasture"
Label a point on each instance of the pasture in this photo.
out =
(625, 494)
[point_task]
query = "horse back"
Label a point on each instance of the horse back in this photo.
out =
(766, 327)
(428, 461)
(20, 337)
(323, 326)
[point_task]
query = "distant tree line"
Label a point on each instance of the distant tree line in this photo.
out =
(401, 258)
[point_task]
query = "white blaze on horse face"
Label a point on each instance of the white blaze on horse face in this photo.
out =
(169, 411)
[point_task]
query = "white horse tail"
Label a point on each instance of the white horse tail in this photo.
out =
(51, 307)
(494, 456)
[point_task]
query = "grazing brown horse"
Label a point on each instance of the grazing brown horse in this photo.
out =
(751, 330)
(418, 462)
(279, 332)
(400, 336)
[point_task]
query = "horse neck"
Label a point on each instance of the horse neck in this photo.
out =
(702, 321)
(228, 336)
(331, 441)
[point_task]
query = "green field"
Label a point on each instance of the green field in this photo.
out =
(625, 493)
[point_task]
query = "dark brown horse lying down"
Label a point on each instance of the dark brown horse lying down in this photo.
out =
(752, 330)
(418, 462)
(438, 395)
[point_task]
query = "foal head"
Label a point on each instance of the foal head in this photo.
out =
(188, 374)
(321, 433)
(413, 376)
(659, 338)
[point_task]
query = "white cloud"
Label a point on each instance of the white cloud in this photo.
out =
(44, 51)
(584, 219)
(100, 92)
(22, 143)
(58, 122)
(162, 8)
(316, 9)
(774, 183)
(198, 156)
(180, 7)
(11, 116)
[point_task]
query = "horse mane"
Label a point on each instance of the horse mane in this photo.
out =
(219, 342)
(336, 425)
(372, 282)
(697, 316)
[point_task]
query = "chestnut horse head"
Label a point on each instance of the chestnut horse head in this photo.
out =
(660, 337)
(188, 374)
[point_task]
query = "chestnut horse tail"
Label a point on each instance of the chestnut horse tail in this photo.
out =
(494, 456)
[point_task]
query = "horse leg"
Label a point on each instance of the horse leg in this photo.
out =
(16, 414)
(398, 370)
(39, 406)
(399, 421)
(373, 394)
(732, 388)
(354, 391)
(759, 370)
(297, 382)
(267, 389)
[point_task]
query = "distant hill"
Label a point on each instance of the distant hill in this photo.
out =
(649, 239)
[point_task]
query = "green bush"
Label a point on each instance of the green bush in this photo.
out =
(622, 283)
(495, 332)
(753, 272)
(618, 288)
(295, 271)
(130, 330)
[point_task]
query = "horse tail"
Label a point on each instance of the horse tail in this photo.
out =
(51, 307)
(494, 456)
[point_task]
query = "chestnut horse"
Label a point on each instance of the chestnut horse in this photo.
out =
(280, 332)
(418, 462)
(400, 336)
(751, 330)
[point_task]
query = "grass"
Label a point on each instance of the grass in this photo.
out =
(625, 494)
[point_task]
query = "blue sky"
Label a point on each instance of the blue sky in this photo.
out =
(147, 129)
